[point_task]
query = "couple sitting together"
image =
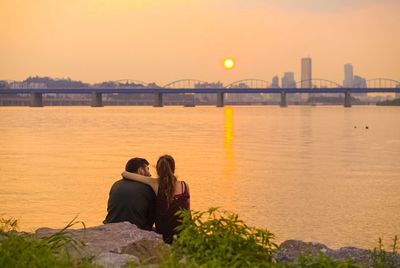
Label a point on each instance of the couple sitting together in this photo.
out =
(143, 200)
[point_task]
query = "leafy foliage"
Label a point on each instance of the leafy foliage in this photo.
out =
(220, 239)
(216, 238)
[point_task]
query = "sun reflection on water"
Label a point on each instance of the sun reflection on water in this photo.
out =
(229, 161)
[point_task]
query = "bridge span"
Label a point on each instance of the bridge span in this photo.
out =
(159, 92)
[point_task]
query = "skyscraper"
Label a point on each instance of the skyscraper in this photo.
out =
(359, 82)
(275, 82)
(306, 76)
(348, 75)
(306, 73)
(288, 80)
(354, 81)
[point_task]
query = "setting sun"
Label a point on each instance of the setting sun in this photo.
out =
(229, 63)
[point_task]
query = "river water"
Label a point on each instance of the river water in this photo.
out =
(323, 173)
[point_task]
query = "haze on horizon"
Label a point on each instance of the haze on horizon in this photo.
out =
(165, 40)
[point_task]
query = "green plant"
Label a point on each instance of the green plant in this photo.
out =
(380, 258)
(60, 243)
(217, 238)
(321, 261)
(7, 225)
(27, 250)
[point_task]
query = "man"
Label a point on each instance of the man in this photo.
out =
(131, 200)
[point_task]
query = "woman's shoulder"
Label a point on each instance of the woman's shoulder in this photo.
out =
(182, 182)
(183, 186)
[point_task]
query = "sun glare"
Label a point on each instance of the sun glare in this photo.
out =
(229, 63)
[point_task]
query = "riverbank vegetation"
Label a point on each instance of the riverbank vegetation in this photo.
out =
(27, 250)
(212, 238)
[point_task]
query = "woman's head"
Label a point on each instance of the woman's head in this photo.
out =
(165, 165)
(165, 170)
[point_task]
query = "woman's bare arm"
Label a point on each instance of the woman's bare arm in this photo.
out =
(152, 182)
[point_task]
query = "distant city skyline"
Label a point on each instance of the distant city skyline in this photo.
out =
(287, 80)
(161, 41)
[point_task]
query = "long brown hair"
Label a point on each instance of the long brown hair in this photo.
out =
(165, 170)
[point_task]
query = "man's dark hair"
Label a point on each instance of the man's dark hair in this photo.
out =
(135, 163)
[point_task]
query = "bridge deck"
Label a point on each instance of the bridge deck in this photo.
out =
(198, 90)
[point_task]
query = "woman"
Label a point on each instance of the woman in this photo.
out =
(172, 195)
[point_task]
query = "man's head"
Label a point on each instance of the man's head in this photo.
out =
(138, 165)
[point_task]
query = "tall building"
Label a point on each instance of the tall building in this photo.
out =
(275, 82)
(348, 75)
(306, 76)
(306, 73)
(359, 82)
(288, 80)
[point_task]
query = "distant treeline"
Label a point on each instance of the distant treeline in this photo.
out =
(37, 81)
(54, 83)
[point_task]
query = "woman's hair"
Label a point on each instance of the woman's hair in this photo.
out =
(165, 170)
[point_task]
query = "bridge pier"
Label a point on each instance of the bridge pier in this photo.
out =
(191, 102)
(347, 99)
(97, 100)
(158, 100)
(220, 99)
(283, 99)
(36, 100)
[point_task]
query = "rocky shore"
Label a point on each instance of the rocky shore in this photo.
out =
(116, 244)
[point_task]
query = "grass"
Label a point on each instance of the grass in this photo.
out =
(27, 250)
(321, 261)
(6, 225)
(384, 259)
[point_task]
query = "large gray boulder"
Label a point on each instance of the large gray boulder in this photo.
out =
(114, 244)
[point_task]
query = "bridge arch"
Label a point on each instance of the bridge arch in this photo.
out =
(184, 83)
(317, 83)
(250, 83)
(382, 83)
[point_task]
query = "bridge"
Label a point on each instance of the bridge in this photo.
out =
(193, 86)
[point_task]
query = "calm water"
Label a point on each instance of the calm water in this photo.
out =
(310, 173)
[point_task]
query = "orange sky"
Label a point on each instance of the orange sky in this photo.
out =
(165, 40)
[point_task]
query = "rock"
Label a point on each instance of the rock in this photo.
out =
(114, 244)
(290, 250)
(109, 259)
(148, 251)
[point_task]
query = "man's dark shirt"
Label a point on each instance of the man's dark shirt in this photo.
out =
(131, 201)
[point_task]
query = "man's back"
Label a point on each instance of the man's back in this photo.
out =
(131, 201)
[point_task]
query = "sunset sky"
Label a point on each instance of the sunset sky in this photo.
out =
(165, 40)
